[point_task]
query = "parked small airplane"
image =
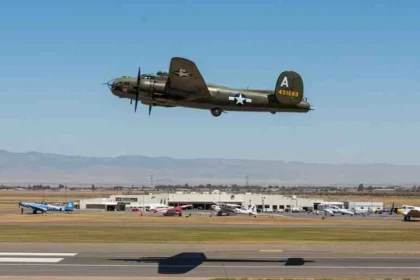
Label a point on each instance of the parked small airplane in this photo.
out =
(224, 206)
(252, 211)
(333, 209)
(174, 211)
(44, 207)
(155, 206)
(233, 209)
(408, 211)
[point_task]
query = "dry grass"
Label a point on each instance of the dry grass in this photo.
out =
(219, 235)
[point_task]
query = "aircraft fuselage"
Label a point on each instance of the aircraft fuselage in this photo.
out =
(153, 91)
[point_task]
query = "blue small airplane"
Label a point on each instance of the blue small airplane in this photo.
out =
(44, 207)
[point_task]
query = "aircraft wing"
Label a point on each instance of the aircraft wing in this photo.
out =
(329, 211)
(34, 206)
(411, 213)
(345, 211)
(186, 206)
(228, 205)
(185, 79)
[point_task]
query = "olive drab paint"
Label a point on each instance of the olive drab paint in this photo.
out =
(289, 88)
(184, 86)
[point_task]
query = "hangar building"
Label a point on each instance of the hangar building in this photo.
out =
(204, 201)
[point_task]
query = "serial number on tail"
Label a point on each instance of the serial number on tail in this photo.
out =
(288, 93)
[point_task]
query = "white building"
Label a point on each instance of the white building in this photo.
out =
(363, 205)
(268, 202)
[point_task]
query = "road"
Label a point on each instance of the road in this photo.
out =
(170, 260)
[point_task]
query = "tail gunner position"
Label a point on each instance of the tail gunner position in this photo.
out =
(184, 86)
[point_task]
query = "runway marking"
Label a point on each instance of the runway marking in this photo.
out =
(31, 260)
(38, 254)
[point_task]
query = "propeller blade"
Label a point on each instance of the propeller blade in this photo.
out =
(392, 209)
(137, 89)
(131, 101)
(137, 99)
(150, 109)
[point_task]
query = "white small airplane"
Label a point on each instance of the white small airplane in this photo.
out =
(155, 206)
(361, 211)
(333, 209)
(408, 211)
(224, 206)
(252, 211)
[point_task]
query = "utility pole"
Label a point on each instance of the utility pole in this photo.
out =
(246, 181)
(151, 181)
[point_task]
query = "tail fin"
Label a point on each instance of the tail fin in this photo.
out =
(69, 206)
(289, 88)
(253, 208)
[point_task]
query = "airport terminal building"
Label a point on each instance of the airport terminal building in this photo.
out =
(202, 201)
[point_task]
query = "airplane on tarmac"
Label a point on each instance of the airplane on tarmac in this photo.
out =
(407, 211)
(252, 211)
(333, 209)
(177, 210)
(233, 209)
(224, 206)
(184, 86)
(44, 207)
(153, 206)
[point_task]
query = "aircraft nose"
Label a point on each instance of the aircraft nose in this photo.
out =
(113, 86)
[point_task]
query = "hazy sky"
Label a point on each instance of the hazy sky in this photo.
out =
(359, 60)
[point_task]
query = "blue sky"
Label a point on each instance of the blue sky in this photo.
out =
(359, 61)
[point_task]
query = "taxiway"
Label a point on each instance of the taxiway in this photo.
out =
(196, 260)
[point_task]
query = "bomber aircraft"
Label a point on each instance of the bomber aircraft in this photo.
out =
(184, 86)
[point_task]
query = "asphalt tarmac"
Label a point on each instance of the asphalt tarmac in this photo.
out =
(179, 260)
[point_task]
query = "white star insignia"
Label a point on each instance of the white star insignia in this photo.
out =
(240, 99)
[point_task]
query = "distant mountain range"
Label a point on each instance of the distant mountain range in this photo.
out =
(43, 168)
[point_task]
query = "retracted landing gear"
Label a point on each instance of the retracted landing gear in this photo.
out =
(216, 112)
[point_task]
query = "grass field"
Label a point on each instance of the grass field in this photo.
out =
(152, 234)
(131, 218)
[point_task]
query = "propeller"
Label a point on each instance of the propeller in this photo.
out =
(150, 109)
(392, 209)
(137, 90)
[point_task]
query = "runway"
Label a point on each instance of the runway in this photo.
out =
(178, 260)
